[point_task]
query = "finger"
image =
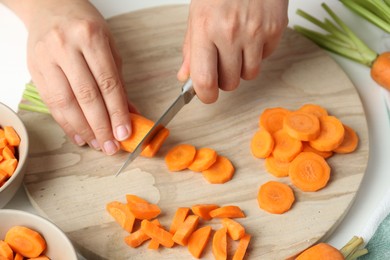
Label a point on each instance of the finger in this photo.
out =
(184, 71)
(229, 66)
(252, 56)
(270, 46)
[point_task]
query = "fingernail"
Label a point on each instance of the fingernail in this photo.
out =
(122, 132)
(95, 144)
(110, 147)
(79, 141)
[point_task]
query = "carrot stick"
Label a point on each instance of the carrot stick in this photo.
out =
(6, 251)
(25, 241)
(350, 141)
(141, 208)
(136, 238)
(203, 210)
(262, 144)
(2, 135)
(178, 219)
(122, 215)
(180, 157)
(3, 177)
(314, 109)
(41, 257)
(154, 244)
(198, 241)
(242, 247)
(3, 142)
(185, 230)
(204, 158)
(275, 167)
(309, 171)
(301, 125)
(234, 229)
(275, 197)
(11, 135)
(220, 172)
(271, 119)
(7, 153)
(308, 148)
(9, 166)
(220, 244)
(331, 135)
(381, 69)
(321, 251)
(158, 233)
(227, 212)
(286, 147)
(155, 144)
(18, 257)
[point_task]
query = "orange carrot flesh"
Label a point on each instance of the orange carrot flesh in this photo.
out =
(42, 257)
(25, 241)
(314, 109)
(18, 257)
(3, 177)
(122, 215)
(198, 241)
(331, 135)
(301, 125)
(242, 247)
(308, 148)
(276, 168)
(203, 210)
(157, 233)
(7, 153)
(234, 229)
(155, 144)
(220, 172)
(141, 208)
(350, 141)
(262, 144)
(227, 212)
(204, 158)
(9, 166)
(140, 126)
(11, 135)
(321, 251)
(309, 172)
(178, 219)
(154, 244)
(275, 197)
(381, 69)
(271, 119)
(6, 251)
(185, 230)
(220, 244)
(286, 147)
(3, 142)
(136, 238)
(180, 157)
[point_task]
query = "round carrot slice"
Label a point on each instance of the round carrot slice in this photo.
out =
(309, 171)
(276, 168)
(180, 157)
(286, 147)
(275, 197)
(272, 119)
(314, 109)
(308, 148)
(301, 125)
(350, 141)
(331, 135)
(204, 158)
(262, 144)
(220, 172)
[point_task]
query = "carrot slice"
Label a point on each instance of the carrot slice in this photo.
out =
(9, 166)
(122, 215)
(155, 144)
(2, 135)
(138, 237)
(321, 251)
(262, 144)
(234, 229)
(242, 247)
(275, 197)
(271, 119)
(180, 157)
(220, 244)
(350, 141)
(220, 172)
(7, 153)
(178, 219)
(309, 171)
(158, 233)
(275, 167)
(331, 135)
(3, 176)
(380, 70)
(11, 135)
(41, 257)
(18, 257)
(198, 241)
(301, 125)
(141, 208)
(6, 251)
(25, 241)
(3, 142)
(227, 212)
(308, 148)
(204, 158)
(154, 244)
(203, 210)
(286, 147)
(314, 109)
(185, 230)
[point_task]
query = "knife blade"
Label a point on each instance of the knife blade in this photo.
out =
(186, 95)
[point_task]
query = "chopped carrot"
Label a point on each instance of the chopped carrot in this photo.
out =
(203, 210)
(198, 241)
(275, 167)
(141, 208)
(18, 257)
(234, 229)
(3, 176)
(7, 153)
(136, 238)
(25, 241)
(185, 230)
(154, 244)
(155, 144)
(11, 135)
(204, 158)
(6, 251)
(301, 125)
(178, 219)
(227, 212)
(3, 142)
(272, 119)
(309, 171)
(158, 233)
(262, 144)
(286, 147)
(380, 70)
(350, 141)
(275, 197)
(42, 257)
(2, 135)
(122, 215)
(12, 148)
(321, 251)
(180, 157)
(220, 172)
(331, 135)
(9, 166)
(308, 148)
(242, 247)
(220, 244)
(1, 157)
(314, 109)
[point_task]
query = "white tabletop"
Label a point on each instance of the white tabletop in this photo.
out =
(14, 75)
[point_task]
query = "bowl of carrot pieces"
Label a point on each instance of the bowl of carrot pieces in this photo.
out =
(14, 145)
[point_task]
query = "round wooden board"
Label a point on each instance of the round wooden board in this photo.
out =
(71, 185)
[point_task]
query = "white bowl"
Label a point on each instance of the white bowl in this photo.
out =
(9, 118)
(59, 246)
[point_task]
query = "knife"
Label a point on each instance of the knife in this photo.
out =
(186, 95)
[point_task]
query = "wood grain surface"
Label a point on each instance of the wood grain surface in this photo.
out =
(71, 185)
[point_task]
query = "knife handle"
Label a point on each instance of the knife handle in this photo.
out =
(188, 91)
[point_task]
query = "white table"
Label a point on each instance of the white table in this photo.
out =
(14, 74)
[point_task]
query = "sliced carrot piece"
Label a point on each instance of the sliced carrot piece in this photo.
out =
(12, 148)
(6, 251)
(234, 229)
(2, 135)
(185, 230)
(154, 244)
(122, 214)
(286, 147)
(11, 135)
(275, 167)
(140, 126)
(3, 176)
(7, 153)
(25, 241)
(220, 172)
(220, 244)
(204, 158)
(155, 144)
(203, 210)
(309, 171)
(157, 233)
(198, 241)
(314, 109)
(272, 119)
(9, 166)
(321, 251)
(308, 148)
(1, 157)
(242, 247)
(180, 157)
(3, 142)
(331, 135)
(262, 144)
(141, 208)
(178, 219)
(18, 257)
(301, 125)
(41, 257)
(275, 197)
(138, 237)
(350, 141)
(227, 212)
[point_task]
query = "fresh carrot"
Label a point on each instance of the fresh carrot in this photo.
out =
(203, 210)
(180, 215)
(11, 135)
(18, 257)
(25, 241)
(227, 212)
(314, 109)
(309, 171)
(180, 157)
(220, 244)
(198, 241)
(9, 166)
(242, 247)
(308, 148)
(220, 172)
(235, 230)
(154, 244)
(3, 177)
(204, 158)
(350, 141)
(262, 144)
(41, 257)
(275, 197)
(7, 153)
(331, 135)
(141, 208)
(286, 147)
(158, 233)
(155, 144)
(185, 230)
(271, 119)
(380, 70)
(6, 251)
(275, 167)
(138, 237)
(3, 142)
(122, 215)
(301, 125)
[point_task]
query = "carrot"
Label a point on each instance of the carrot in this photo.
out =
(275, 197)
(2, 135)
(180, 157)
(141, 208)
(185, 230)
(3, 142)
(227, 212)
(204, 158)
(309, 171)
(220, 244)
(18, 257)
(275, 167)
(136, 238)
(122, 215)
(6, 251)
(42, 257)
(234, 229)
(25, 241)
(286, 147)
(220, 172)
(157, 233)
(198, 241)
(301, 125)
(350, 141)
(178, 219)
(3, 177)
(262, 144)
(9, 166)
(321, 251)
(154, 244)
(271, 119)
(331, 135)
(155, 144)
(242, 247)
(314, 109)
(11, 135)
(203, 210)
(308, 148)
(7, 153)
(380, 70)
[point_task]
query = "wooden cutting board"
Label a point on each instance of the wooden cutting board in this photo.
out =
(71, 185)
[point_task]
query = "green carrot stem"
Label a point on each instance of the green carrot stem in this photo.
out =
(30, 86)
(33, 100)
(358, 253)
(351, 246)
(34, 108)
